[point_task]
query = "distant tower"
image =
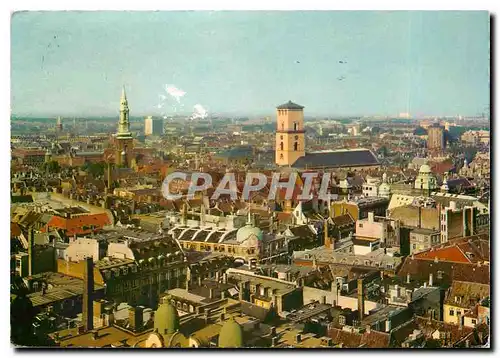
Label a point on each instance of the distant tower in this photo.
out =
(435, 138)
(59, 126)
(290, 133)
(124, 139)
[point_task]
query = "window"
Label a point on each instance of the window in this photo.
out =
(295, 126)
(281, 146)
(295, 146)
(360, 225)
(281, 137)
(281, 156)
(414, 246)
(474, 321)
(452, 313)
(296, 137)
(282, 126)
(440, 275)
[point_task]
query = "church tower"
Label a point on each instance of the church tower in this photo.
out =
(290, 133)
(124, 140)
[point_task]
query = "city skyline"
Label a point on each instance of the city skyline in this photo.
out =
(333, 63)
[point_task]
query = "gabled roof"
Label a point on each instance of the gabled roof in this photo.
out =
(291, 106)
(336, 159)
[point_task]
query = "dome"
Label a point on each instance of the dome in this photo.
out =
(231, 335)
(166, 319)
(246, 231)
(424, 169)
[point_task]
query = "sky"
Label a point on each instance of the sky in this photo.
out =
(247, 63)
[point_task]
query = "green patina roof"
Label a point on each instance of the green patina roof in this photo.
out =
(231, 335)
(166, 319)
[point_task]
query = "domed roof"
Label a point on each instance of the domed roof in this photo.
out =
(231, 335)
(246, 231)
(425, 169)
(166, 319)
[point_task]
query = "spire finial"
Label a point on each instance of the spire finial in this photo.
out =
(124, 95)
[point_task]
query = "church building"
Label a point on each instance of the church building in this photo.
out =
(291, 147)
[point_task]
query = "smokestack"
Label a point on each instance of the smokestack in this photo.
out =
(88, 289)
(298, 338)
(135, 318)
(31, 251)
(327, 239)
(361, 300)
(430, 279)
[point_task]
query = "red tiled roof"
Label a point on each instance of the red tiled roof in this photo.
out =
(75, 225)
(452, 254)
(15, 230)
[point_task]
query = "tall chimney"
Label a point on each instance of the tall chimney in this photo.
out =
(31, 251)
(408, 277)
(430, 279)
(135, 318)
(328, 244)
(88, 289)
(361, 300)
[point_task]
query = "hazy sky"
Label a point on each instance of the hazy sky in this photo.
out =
(74, 63)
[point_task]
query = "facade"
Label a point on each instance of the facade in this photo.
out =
(385, 230)
(423, 239)
(153, 126)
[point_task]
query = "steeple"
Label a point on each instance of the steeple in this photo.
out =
(123, 123)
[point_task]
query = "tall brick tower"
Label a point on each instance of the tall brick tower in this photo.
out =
(290, 133)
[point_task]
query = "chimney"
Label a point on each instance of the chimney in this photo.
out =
(328, 243)
(135, 318)
(361, 299)
(273, 331)
(430, 280)
(31, 251)
(298, 338)
(223, 295)
(88, 290)
(467, 344)
(425, 284)
(388, 326)
(274, 341)
(408, 278)
(211, 290)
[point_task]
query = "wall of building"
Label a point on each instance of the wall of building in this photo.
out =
(82, 248)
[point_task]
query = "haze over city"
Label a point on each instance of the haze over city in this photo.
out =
(334, 63)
